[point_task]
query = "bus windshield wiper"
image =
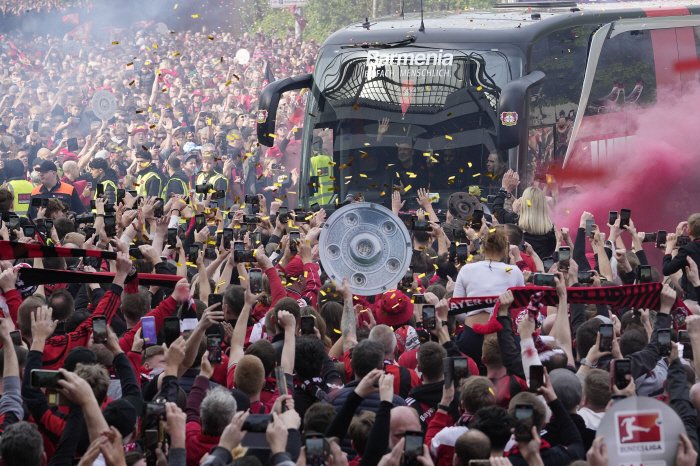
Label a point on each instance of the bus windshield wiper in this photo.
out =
(386, 45)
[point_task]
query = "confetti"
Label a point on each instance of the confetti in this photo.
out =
(195, 16)
(474, 176)
(528, 203)
(116, 42)
(448, 137)
(407, 188)
(176, 6)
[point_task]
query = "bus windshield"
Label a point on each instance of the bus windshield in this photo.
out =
(403, 119)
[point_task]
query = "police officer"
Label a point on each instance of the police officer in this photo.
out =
(21, 188)
(321, 173)
(150, 180)
(106, 177)
(210, 173)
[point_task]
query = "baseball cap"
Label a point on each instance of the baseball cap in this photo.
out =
(102, 154)
(122, 415)
(79, 355)
(46, 166)
(190, 146)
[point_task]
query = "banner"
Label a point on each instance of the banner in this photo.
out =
(645, 296)
(82, 32)
(297, 16)
(34, 277)
(11, 250)
(72, 18)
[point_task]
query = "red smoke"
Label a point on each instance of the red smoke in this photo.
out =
(655, 176)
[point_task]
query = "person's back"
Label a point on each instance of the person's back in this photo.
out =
(21, 445)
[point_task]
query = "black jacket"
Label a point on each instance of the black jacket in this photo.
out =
(154, 186)
(680, 262)
(110, 192)
(679, 399)
(175, 186)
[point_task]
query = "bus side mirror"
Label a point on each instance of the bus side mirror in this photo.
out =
(269, 99)
(513, 110)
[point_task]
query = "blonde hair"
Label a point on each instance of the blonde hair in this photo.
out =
(534, 214)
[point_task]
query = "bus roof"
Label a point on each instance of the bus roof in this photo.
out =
(517, 24)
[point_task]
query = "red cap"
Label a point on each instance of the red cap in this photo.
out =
(394, 308)
(295, 267)
(274, 152)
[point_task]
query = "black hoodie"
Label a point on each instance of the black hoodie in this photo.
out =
(425, 399)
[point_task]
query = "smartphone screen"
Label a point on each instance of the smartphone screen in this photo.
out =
(158, 212)
(293, 239)
(99, 329)
(649, 238)
(407, 279)
(73, 144)
(49, 226)
(121, 193)
(606, 337)
(199, 222)
(619, 369)
(448, 370)
(612, 217)
(16, 338)
(625, 217)
(645, 274)
(14, 222)
(429, 317)
(315, 207)
(460, 369)
(664, 338)
(193, 253)
(100, 189)
(281, 383)
(462, 253)
(148, 330)
(543, 279)
(536, 378)
(684, 338)
(589, 227)
(283, 215)
(255, 277)
(29, 231)
(315, 450)
(419, 299)
(214, 348)
(228, 237)
(586, 277)
(660, 238)
(154, 410)
(413, 448)
(477, 220)
(564, 257)
(523, 422)
(307, 325)
(172, 237)
(171, 328)
(45, 379)
(110, 225)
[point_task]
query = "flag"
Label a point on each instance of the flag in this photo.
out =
(406, 94)
(269, 77)
(17, 54)
(297, 116)
(82, 32)
(72, 18)
(297, 16)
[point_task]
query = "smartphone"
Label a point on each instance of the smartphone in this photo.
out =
(317, 449)
(460, 369)
(429, 317)
(281, 383)
(220, 194)
(682, 241)
(89, 232)
(293, 239)
(257, 423)
(419, 299)
(36, 202)
(110, 225)
(606, 337)
(100, 190)
(590, 222)
(586, 277)
(407, 280)
(664, 339)
(536, 378)
(619, 369)
(210, 254)
(684, 338)
(199, 222)
(148, 330)
(240, 254)
(158, 212)
(172, 238)
(477, 220)
(73, 144)
(215, 298)
(154, 410)
(448, 370)
(283, 215)
(420, 225)
(660, 238)
(132, 192)
(150, 446)
(462, 253)
(35, 125)
(612, 217)
(625, 218)
(228, 237)
(255, 277)
(135, 253)
(16, 338)
(193, 253)
(29, 231)
(564, 257)
(523, 421)
(49, 226)
(251, 219)
(315, 207)
(171, 329)
(307, 325)
(413, 448)
(99, 329)
(214, 348)
(121, 193)
(645, 274)
(649, 238)
(40, 378)
(543, 279)
(14, 222)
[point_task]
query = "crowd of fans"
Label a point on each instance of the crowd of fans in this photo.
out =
(214, 336)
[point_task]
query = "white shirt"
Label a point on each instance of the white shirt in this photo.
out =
(487, 278)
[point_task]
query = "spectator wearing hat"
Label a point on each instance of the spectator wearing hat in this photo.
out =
(150, 180)
(21, 188)
(51, 187)
(106, 177)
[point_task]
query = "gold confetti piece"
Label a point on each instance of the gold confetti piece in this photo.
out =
(479, 88)
(116, 42)
(490, 389)
(210, 38)
(179, 265)
(175, 54)
(448, 137)
(195, 16)
(342, 166)
(449, 115)
(383, 193)
(131, 83)
(155, 46)
(421, 275)
(392, 296)
(407, 188)
(338, 331)
(228, 82)
(176, 9)
(236, 76)
(451, 178)
(323, 293)
(367, 144)
(528, 203)
(566, 210)
(364, 154)
(363, 175)
(508, 269)
(492, 230)
(474, 176)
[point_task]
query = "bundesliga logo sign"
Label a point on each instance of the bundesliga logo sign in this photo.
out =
(639, 432)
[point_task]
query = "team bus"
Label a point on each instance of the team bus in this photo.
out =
(442, 102)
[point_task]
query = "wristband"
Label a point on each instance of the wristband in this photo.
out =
(442, 407)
